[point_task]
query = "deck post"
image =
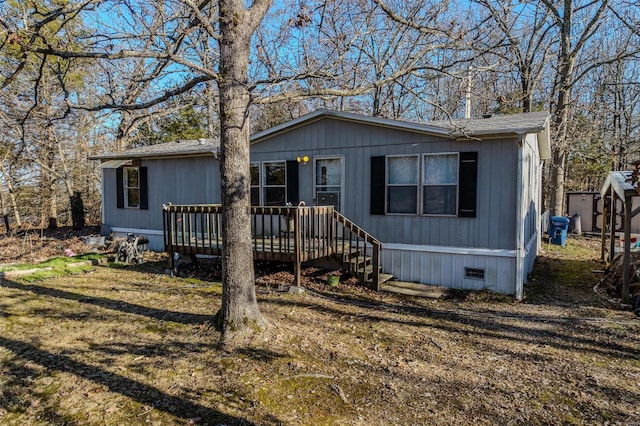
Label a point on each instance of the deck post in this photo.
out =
(296, 246)
(626, 278)
(166, 225)
(603, 229)
(375, 258)
(612, 225)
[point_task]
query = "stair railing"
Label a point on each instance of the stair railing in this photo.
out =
(350, 240)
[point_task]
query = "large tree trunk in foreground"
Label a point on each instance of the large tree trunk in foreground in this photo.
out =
(239, 314)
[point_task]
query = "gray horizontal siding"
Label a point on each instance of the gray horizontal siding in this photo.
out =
(193, 180)
(495, 225)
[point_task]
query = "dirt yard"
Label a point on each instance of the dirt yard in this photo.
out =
(130, 345)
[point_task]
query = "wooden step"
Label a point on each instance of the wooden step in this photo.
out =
(366, 274)
(414, 289)
(347, 256)
(383, 278)
(358, 262)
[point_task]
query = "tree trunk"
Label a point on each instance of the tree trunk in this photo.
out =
(557, 182)
(77, 210)
(566, 64)
(12, 200)
(5, 213)
(239, 314)
(211, 110)
(49, 179)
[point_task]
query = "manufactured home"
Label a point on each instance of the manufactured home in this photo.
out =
(453, 203)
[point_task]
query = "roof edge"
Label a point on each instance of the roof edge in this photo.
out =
(349, 116)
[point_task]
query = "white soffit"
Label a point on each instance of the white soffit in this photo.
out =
(114, 164)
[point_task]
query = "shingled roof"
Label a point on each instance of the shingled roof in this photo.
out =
(494, 125)
(170, 149)
(531, 122)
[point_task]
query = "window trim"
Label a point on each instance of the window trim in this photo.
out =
(423, 185)
(263, 181)
(127, 188)
(387, 185)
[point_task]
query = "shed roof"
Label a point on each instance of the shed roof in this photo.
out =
(620, 183)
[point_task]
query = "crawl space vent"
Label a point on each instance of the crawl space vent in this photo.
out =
(474, 273)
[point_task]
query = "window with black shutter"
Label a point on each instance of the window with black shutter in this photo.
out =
(132, 188)
(445, 184)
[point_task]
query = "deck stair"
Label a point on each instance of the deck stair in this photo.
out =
(359, 254)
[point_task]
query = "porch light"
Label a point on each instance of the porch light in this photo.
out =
(304, 160)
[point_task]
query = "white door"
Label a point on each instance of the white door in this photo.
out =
(329, 182)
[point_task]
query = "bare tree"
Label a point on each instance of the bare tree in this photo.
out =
(520, 38)
(255, 53)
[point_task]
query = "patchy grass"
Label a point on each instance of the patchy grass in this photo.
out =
(114, 346)
(57, 263)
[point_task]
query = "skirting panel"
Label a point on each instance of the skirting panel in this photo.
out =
(475, 271)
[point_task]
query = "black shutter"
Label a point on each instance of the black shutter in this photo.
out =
(468, 184)
(293, 193)
(144, 188)
(120, 187)
(378, 176)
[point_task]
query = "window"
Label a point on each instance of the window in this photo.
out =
(255, 184)
(444, 184)
(440, 184)
(402, 184)
(274, 183)
(131, 187)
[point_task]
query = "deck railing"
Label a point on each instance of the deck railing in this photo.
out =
(287, 234)
(197, 229)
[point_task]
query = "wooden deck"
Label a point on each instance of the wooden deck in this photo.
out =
(284, 234)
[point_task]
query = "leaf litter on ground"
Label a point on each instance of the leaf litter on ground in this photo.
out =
(118, 345)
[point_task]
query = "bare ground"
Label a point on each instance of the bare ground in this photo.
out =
(133, 346)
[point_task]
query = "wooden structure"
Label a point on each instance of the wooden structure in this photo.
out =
(285, 234)
(620, 186)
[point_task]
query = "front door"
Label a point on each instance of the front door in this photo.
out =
(329, 182)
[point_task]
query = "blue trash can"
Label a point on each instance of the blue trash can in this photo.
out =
(558, 227)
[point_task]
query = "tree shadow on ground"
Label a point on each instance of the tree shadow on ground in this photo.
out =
(137, 391)
(112, 304)
(557, 331)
